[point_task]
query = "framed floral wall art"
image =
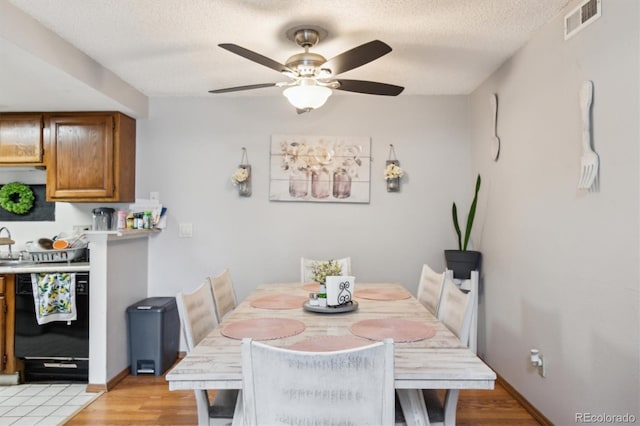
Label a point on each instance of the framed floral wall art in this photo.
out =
(335, 169)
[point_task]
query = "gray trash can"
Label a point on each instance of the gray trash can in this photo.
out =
(154, 335)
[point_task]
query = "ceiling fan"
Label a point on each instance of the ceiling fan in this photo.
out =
(312, 77)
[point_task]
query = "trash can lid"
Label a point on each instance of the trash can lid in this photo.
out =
(155, 304)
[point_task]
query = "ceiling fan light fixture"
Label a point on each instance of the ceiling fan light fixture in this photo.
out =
(307, 96)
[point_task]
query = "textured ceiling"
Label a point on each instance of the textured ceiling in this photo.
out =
(169, 47)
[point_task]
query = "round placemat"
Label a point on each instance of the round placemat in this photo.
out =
(314, 287)
(382, 294)
(279, 301)
(400, 330)
(263, 328)
(329, 343)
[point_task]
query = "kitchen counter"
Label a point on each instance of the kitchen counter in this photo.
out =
(110, 236)
(45, 267)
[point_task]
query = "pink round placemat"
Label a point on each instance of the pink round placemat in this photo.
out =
(314, 287)
(280, 301)
(329, 343)
(400, 330)
(263, 328)
(383, 294)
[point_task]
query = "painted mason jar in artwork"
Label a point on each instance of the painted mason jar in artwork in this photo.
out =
(341, 184)
(320, 183)
(299, 183)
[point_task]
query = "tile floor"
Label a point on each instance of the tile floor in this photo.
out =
(41, 404)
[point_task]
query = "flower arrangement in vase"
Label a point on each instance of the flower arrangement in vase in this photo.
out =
(329, 166)
(392, 174)
(241, 178)
(323, 269)
(320, 271)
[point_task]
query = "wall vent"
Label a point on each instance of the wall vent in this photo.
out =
(580, 17)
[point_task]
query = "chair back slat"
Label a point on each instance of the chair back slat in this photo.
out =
(197, 314)
(224, 295)
(455, 310)
(430, 288)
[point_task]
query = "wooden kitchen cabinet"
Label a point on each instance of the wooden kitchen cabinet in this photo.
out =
(91, 157)
(21, 139)
(7, 324)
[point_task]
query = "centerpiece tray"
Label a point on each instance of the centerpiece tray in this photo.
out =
(340, 309)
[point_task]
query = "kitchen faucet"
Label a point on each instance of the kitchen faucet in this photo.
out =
(7, 241)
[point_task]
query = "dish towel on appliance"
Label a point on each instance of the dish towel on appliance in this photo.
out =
(54, 295)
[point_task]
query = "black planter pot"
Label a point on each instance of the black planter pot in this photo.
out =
(462, 262)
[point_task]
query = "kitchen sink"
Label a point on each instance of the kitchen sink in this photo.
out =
(15, 262)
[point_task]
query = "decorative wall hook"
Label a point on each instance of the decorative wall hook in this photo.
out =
(241, 177)
(393, 172)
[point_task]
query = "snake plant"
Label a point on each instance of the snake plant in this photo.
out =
(470, 217)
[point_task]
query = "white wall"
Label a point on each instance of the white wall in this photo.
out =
(560, 264)
(188, 148)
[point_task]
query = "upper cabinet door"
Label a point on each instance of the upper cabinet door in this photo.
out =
(21, 139)
(91, 157)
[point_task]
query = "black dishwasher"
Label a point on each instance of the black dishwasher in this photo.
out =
(56, 351)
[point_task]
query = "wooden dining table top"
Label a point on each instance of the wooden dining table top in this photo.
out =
(438, 362)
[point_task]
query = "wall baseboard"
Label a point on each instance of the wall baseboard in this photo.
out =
(110, 384)
(94, 388)
(119, 377)
(535, 413)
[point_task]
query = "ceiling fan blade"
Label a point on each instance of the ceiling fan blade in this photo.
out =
(369, 87)
(248, 87)
(357, 56)
(255, 57)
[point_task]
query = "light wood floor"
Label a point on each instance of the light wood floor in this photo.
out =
(146, 400)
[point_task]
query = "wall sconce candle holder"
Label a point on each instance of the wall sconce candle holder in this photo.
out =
(242, 176)
(393, 172)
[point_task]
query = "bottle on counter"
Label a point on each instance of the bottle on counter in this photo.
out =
(146, 220)
(122, 219)
(130, 221)
(138, 221)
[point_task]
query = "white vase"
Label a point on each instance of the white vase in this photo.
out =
(340, 289)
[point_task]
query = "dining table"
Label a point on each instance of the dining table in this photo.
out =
(426, 354)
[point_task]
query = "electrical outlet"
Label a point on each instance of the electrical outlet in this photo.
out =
(538, 361)
(78, 229)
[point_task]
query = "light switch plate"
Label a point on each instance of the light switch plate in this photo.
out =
(185, 230)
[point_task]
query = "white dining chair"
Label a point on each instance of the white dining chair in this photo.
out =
(430, 288)
(198, 317)
(224, 295)
(455, 312)
(306, 266)
(282, 386)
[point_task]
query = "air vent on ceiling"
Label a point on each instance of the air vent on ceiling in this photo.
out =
(580, 17)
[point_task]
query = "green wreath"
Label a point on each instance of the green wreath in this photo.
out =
(16, 197)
